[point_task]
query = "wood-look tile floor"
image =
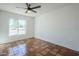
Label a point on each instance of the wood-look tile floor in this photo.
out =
(37, 47)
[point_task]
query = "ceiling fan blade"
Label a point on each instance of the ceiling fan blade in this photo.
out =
(33, 11)
(21, 7)
(26, 11)
(36, 7)
(27, 4)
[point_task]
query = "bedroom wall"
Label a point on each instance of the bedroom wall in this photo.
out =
(4, 24)
(60, 26)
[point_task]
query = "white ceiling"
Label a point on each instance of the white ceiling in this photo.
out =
(45, 7)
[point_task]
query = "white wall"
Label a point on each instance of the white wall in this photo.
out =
(60, 27)
(4, 24)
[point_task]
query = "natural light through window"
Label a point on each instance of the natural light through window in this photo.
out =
(17, 27)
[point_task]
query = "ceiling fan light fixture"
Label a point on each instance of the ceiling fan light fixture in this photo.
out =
(29, 11)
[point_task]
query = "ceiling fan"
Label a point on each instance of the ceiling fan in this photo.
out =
(29, 8)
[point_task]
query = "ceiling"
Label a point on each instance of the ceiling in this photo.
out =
(45, 7)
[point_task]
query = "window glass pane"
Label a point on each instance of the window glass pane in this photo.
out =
(12, 27)
(22, 23)
(22, 26)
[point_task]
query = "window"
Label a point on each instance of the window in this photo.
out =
(17, 27)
